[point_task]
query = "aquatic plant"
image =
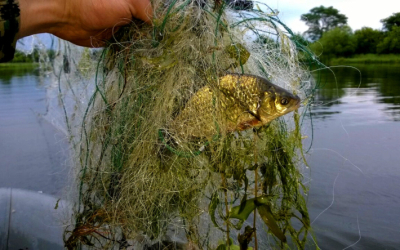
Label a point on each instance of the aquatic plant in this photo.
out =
(139, 181)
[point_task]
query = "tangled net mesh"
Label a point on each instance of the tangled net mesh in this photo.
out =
(142, 178)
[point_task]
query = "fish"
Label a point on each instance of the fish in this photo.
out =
(236, 102)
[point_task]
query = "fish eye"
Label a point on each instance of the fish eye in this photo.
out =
(284, 101)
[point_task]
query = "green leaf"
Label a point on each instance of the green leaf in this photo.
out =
(268, 218)
(246, 207)
(243, 203)
(243, 211)
(234, 247)
(222, 246)
(231, 247)
(212, 207)
(238, 52)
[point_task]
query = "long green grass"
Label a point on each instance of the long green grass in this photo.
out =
(367, 58)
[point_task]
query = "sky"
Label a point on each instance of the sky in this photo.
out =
(360, 13)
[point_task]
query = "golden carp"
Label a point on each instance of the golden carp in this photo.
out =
(236, 102)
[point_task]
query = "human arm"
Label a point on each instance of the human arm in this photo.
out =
(87, 23)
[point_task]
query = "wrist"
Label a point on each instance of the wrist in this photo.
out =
(41, 16)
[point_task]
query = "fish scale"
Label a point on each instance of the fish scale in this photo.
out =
(237, 102)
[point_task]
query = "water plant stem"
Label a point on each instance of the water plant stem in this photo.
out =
(255, 189)
(226, 209)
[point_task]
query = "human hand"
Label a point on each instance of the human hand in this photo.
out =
(87, 23)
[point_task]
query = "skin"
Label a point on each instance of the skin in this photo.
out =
(87, 23)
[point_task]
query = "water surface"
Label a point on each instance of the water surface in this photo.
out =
(32, 152)
(354, 158)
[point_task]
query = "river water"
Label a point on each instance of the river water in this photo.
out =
(353, 147)
(33, 153)
(354, 158)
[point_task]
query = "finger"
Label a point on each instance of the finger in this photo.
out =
(142, 9)
(98, 40)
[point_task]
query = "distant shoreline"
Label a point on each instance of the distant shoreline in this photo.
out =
(19, 65)
(367, 58)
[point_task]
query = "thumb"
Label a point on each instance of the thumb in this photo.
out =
(142, 9)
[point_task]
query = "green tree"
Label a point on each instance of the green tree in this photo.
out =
(322, 19)
(300, 39)
(367, 40)
(34, 57)
(21, 57)
(392, 21)
(391, 43)
(338, 42)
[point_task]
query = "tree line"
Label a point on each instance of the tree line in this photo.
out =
(32, 57)
(330, 36)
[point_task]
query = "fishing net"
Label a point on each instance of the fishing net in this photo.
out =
(155, 168)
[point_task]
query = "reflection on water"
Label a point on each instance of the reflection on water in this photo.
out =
(354, 157)
(377, 91)
(32, 151)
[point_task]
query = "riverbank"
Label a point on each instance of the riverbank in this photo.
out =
(367, 58)
(19, 65)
